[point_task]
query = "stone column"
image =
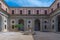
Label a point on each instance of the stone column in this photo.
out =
(2, 25)
(33, 25)
(41, 26)
(56, 25)
(25, 24)
(49, 25)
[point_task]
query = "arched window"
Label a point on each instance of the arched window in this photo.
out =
(5, 26)
(52, 10)
(5, 20)
(29, 21)
(12, 21)
(12, 11)
(53, 21)
(0, 5)
(37, 11)
(45, 21)
(12, 26)
(58, 5)
(45, 12)
(45, 26)
(6, 9)
(20, 11)
(29, 12)
(52, 26)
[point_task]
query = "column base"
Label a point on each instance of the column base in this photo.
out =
(5, 30)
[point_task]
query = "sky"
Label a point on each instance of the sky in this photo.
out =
(29, 3)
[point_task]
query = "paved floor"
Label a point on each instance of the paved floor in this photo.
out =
(14, 36)
(38, 36)
(46, 36)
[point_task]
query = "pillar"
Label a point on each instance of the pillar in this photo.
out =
(41, 24)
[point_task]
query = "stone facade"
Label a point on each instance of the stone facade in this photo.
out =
(44, 19)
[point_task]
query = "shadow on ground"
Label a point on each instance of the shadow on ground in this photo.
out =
(46, 36)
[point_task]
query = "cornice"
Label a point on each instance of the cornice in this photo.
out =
(29, 15)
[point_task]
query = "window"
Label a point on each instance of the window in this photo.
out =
(58, 5)
(45, 12)
(28, 26)
(52, 26)
(37, 11)
(29, 21)
(45, 27)
(12, 21)
(5, 26)
(52, 20)
(52, 10)
(0, 5)
(12, 11)
(5, 20)
(12, 26)
(20, 11)
(45, 21)
(29, 11)
(6, 9)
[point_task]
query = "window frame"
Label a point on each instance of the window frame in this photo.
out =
(0, 4)
(12, 11)
(29, 12)
(37, 11)
(45, 26)
(58, 5)
(21, 12)
(45, 12)
(13, 26)
(5, 27)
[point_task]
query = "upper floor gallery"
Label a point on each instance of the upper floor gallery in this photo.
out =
(30, 10)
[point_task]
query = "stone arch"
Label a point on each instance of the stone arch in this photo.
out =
(21, 21)
(37, 25)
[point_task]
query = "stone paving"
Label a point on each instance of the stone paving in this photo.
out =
(38, 36)
(46, 36)
(14, 36)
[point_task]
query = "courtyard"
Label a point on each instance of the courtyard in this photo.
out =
(37, 36)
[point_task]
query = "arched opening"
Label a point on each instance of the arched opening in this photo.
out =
(37, 25)
(58, 23)
(58, 5)
(21, 21)
(0, 23)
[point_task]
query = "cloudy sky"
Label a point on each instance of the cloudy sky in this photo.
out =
(29, 3)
